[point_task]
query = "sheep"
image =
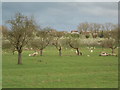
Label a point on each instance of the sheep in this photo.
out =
(88, 55)
(33, 54)
(91, 50)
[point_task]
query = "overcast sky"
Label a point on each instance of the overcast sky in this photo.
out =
(63, 15)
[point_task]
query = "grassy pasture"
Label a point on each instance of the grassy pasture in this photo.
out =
(67, 71)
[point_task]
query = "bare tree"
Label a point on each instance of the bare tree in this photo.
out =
(95, 28)
(109, 26)
(21, 31)
(89, 27)
(83, 27)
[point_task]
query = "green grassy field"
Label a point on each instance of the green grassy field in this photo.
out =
(67, 71)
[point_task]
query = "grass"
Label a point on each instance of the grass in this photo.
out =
(67, 71)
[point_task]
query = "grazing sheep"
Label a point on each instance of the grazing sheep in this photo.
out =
(107, 54)
(104, 54)
(91, 50)
(26, 48)
(88, 55)
(33, 54)
(76, 51)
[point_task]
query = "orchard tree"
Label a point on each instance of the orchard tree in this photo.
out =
(40, 44)
(110, 43)
(58, 39)
(91, 42)
(20, 33)
(59, 43)
(41, 41)
(75, 43)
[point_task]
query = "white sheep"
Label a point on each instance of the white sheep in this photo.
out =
(33, 54)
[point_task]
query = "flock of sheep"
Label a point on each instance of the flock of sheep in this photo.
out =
(91, 49)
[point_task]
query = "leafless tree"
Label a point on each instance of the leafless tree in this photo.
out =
(20, 33)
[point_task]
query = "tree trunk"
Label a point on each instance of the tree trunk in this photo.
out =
(13, 52)
(60, 53)
(81, 53)
(112, 51)
(78, 52)
(19, 57)
(41, 52)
